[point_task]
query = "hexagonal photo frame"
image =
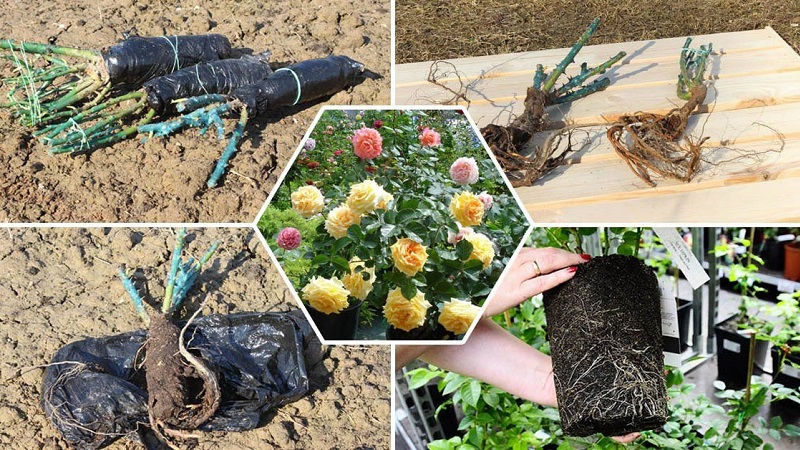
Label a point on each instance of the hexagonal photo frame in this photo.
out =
(393, 224)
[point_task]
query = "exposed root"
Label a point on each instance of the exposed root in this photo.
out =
(436, 73)
(653, 146)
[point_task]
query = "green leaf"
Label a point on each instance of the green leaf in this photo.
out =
(340, 263)
(471, 392)
(387, 230)
(408, 290)
(421, 378)
(319, 259)
(463, 249)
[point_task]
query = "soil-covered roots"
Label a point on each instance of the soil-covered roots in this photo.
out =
(508, 142)
(605, 335)
(183, 391)
(654, 144)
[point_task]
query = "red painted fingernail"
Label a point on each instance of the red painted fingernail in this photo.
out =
(572, 269)
(586, 256)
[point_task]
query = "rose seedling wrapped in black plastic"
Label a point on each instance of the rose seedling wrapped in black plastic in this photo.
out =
(606, 343)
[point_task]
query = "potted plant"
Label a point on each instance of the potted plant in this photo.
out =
(785, 340)
(733, 334)
(656, 257)
(791, 268)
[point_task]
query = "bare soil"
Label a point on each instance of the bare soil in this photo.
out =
(60, 285)
(163, 180)
(427, 30)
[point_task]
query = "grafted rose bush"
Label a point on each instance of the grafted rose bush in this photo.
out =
(418, 223)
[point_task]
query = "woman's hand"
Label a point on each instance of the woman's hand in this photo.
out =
(532, 272)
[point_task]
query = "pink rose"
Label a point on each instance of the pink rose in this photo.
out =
(486, 199)
(462, 233)
(430, 138)
(464, 171)
(312, 165)
(338, 152)
(377, 124)
(310, 144)
(367, 143)
(289, 238)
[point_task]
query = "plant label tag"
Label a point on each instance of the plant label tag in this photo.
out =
(682, 256)
(786, 286)
(790, 371)
(731, 346)
(669, 326)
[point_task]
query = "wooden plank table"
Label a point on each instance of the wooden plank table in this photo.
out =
(752, 108)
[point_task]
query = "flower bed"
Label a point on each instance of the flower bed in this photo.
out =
(412, 217)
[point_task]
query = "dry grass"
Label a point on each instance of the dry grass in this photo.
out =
(438, 29)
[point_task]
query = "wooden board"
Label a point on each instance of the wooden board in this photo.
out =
(751, 112)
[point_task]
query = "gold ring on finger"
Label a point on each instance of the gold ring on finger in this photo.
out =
(536, 268)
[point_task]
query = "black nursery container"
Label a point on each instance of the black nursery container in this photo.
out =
(337, 327)
(789, 377)
(606, 343)
(684, 319)
(733, 350)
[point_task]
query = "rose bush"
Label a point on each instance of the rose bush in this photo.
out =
(418, 222)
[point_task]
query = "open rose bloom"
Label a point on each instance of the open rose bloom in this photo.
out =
(367, 143)
(400, 227)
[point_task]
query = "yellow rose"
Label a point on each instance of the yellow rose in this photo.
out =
(482, 248)
(403, 313)
(383, 203)
(355, 282)
(409, 256)
(467, 208)
(307, 201)
(326, 295)
(457, 315)
(339, 220)
(364, 196)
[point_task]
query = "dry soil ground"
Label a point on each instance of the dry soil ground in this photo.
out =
(428, 30)
(163, 180)
(60, 285)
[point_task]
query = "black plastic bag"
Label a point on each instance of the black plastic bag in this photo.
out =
(94, 391)
(138, 59)
(215, 77)
(315, 78)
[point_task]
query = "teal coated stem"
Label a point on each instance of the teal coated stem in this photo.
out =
(166, 306)
(193, 103)
(189, 274)
(692, 66)
(203, 118)
(551, 79)
(136, 299)
(229, 151)
(578, 80)
(595, 86)
(538, 77)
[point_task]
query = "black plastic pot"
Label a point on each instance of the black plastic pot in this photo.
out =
(733, 352)
(607, 348)
(789, 377)
(773, 254)
(423, 333)
(337, 327)
(684, 319)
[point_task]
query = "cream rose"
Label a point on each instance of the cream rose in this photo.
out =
(405, 314)
(355, 282)
(339, 220)
(467, 208)
(409, 256)
(383, 203)
(365, 196)
(482, 248)
(327, 296)
(457, 315)
(307, 201)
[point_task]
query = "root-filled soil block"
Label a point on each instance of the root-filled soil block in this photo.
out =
(94, 390)
(605, 336)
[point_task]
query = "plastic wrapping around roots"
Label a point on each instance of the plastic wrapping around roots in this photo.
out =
(605, 336)
(316, 78)
(138, 59)
(94, 390)
(216, 77)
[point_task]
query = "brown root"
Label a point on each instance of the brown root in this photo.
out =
(507, 143)
(183, 391)
(654, 146)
